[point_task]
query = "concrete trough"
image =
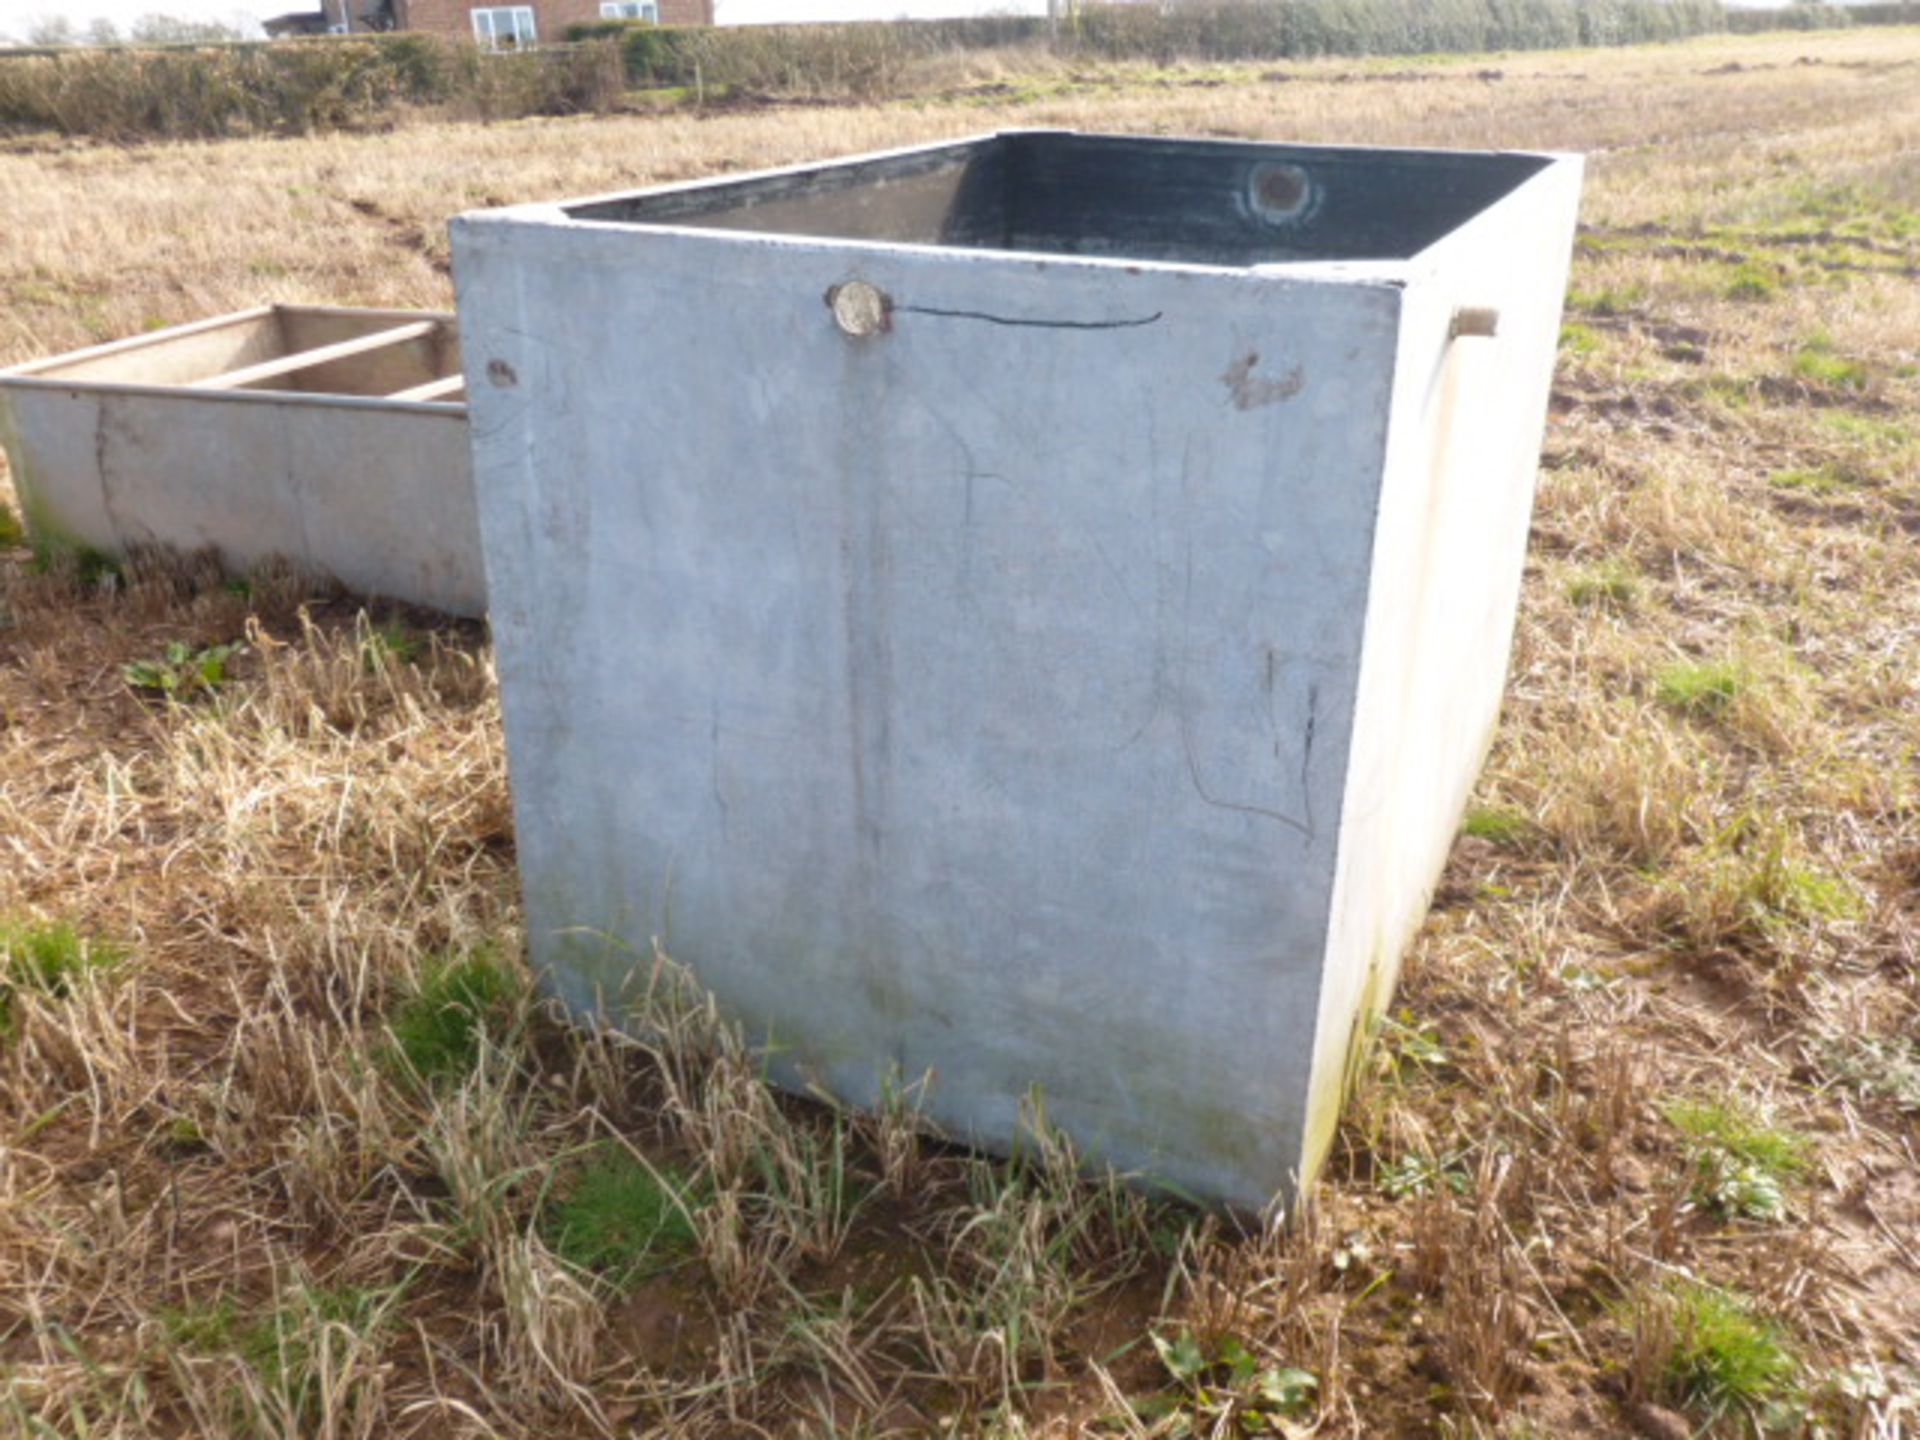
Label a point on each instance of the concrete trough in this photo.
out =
(333, 438)
(1027, 611)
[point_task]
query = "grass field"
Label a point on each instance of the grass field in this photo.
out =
(286, 1148)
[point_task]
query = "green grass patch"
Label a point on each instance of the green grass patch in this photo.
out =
(1622, 300)
(1807, 892)
(1726, 1358)
(622, 1218)
(209, 1327)
(47, 959)
(1817, 480)
(1752, 280)
(86, 567)
(1502, 827)
(12, 532)
(1701, 687)
(1870, 430)
(1578, 339)
(1818, 361)
(438, 1027)
(1744, 1161)
(1610, 585)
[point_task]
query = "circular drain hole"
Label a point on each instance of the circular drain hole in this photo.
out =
(1280, 193)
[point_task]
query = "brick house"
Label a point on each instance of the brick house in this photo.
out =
(507, 25)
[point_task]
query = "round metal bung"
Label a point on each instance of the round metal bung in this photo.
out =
(859, 308)
(1279, 193)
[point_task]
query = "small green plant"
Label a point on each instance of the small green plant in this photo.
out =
(1501, 827)
(1818, 361)
(438, 1028)
(384, 646)
(1724, 1357)
(1405, 1040)
(1743, 1161)
(182, 672)
(623, 1218)
(1701, 687)
(12, 532)
(1224, 1389)
(1417, 1173)
(47, 959)
(1610, 585)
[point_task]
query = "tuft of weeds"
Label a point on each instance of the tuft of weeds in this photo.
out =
(1700, 687)
(623, 1218)
(1748, 887)
(1420, 1173)
(1883, 1067)
(1224, 1388)
(1723, 1357)
(438, 1028)
(1611, 585)
(1818, 361)
(45, 959)
(182, 672)
(1743, 1160)
(314, 1355)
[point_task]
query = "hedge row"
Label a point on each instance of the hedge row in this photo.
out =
(870, 58)
(296, 87)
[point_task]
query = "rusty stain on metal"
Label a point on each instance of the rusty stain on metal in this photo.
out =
(1251, 391)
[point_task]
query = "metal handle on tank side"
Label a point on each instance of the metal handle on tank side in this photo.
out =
(1474, 321)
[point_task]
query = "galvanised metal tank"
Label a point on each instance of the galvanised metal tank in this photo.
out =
(1027, 611)
(326, 436)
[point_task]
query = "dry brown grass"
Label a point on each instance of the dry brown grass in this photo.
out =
(1686, 903)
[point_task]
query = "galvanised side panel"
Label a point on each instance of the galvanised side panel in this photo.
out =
(972, 697)
(1449, 550)
(374, 494)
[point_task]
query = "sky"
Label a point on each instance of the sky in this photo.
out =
(17, 17)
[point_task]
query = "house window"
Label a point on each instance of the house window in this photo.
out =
(630, 10)
(504, 27)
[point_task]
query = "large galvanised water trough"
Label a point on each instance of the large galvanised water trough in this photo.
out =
(332, 438)
(1028, 610)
